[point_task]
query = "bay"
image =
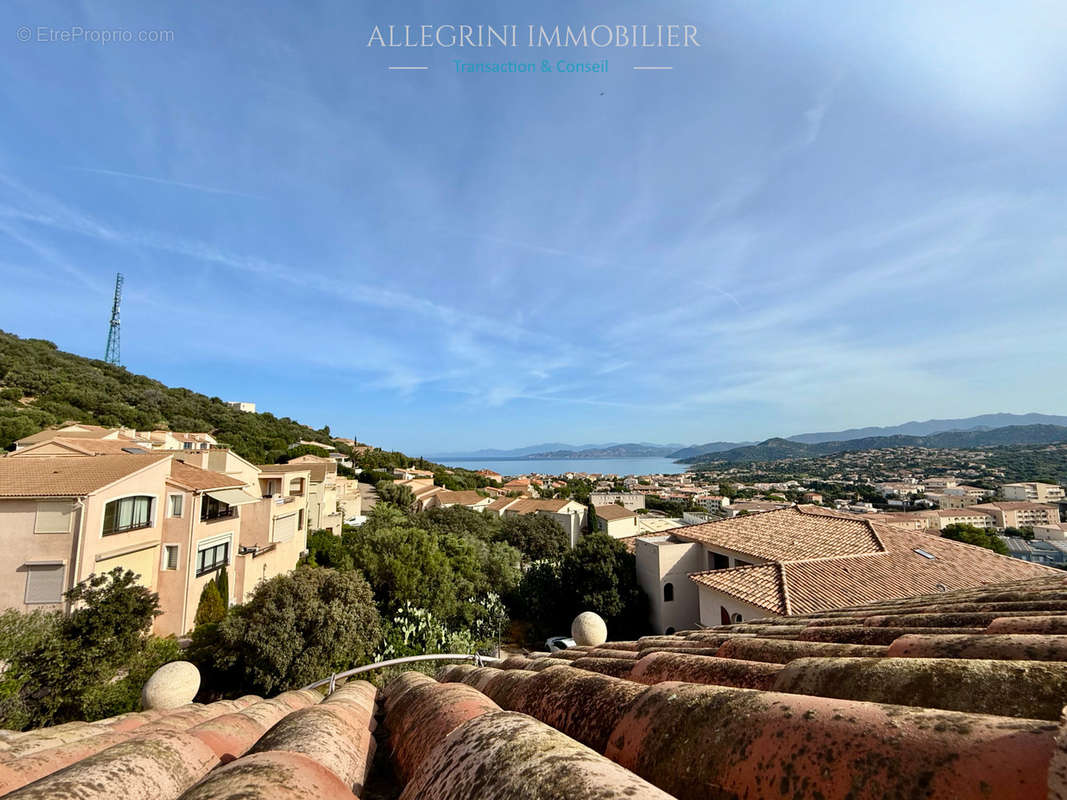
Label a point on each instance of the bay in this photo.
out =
(560, 466)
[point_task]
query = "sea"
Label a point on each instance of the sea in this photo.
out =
(559, 466)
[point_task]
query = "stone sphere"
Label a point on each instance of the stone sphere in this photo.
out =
(172, 685)
(589, 630)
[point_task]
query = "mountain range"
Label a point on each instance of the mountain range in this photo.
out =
(777, 449)
(907, 431)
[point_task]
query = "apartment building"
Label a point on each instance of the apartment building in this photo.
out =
(146, 440)
(964, 516)
(174, 523)
(713, 502)
(802, 560)
(628, 500)
(319, 486)
(1033, 492)
(1020, 514)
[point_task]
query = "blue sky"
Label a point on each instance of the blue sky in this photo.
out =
(829, 215)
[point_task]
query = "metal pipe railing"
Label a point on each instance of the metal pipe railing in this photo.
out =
(332, 680)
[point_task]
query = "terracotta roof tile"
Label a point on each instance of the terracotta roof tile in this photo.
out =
(69, 476)
(613, 511)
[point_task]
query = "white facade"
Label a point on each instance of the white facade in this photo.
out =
(629, 501)
(664, 560)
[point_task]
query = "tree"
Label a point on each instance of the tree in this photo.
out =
(970, 534)
(294, 629)
(536, 536)
(598, 575)
(222, 583)
(326, 550)
(395, 494)
(593, 523)
(91, 649)
(210, 608)
(601, 575)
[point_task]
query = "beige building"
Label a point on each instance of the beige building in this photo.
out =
(319, 486)
(570, 514)
(468, 498)
(616, 521)
(175, 524)
(1020, 515)
(1033, 492)
(802, 560)
(964, 516)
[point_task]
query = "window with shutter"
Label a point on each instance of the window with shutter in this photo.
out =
(170, 556)
(44, 583)
(54, 517)
(285, 528)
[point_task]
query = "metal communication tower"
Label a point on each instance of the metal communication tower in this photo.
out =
(112, 354)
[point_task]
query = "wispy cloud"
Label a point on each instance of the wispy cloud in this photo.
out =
(165, 182)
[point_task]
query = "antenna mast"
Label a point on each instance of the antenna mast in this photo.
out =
(112, 354)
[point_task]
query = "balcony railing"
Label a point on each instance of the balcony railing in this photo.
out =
(229, 513)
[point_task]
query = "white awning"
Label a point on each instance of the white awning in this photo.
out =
(233, 497)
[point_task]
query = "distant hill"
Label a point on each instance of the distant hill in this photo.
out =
(982, 422)
(777, 449)
(703, 449)
(611, 451)
(41, 386)
(560, 450)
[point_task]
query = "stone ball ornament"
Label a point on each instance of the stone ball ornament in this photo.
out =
(172, 685)
(589, 630)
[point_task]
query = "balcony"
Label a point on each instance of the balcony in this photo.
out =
(212, 516)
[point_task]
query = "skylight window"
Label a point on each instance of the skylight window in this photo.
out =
(924, 554)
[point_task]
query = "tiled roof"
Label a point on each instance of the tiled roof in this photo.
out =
(318, 471)
(196, 478)
(530, 506)
(613, 511)
(900, 570)
(1020, 505)
(947, 695)
(88, 446)
(68, 476)
(787, 534)
(464, 498)
(88, 432)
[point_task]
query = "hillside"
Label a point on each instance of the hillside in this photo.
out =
(777, 449)
(41, 385)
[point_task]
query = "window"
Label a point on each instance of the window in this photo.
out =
(300, 520)
(187, 445)
(736, 618)
(170, 556)
(925, 554)
(210, 508)
(128, 514)
(212, 557)
(176, 503)
(44, 583)
(719, 561)
(668, 592)
(285, 528)
(53, 517)
(739, 563)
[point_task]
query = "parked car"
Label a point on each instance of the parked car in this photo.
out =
(556, 643)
